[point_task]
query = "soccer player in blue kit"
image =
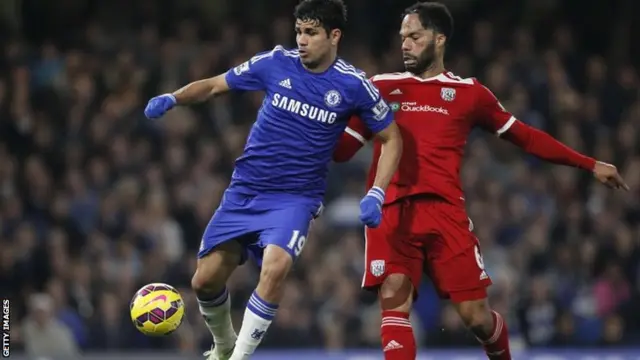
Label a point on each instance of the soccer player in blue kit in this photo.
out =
(279, 182)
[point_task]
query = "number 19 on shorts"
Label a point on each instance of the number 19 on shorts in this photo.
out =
(296, 243)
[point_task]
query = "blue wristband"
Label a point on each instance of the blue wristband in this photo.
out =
(377, 193)
(173, 98)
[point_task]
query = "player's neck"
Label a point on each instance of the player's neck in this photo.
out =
(324, 65)
(436, 68)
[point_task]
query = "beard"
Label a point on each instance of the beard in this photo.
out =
(422, 62)
(311, 64)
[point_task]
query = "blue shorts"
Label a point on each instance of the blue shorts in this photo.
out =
(260, 220)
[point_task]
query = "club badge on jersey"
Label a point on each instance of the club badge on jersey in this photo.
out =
(377, 268)
(332, 98)
(448, 94)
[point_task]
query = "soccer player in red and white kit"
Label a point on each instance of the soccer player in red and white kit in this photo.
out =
(425, 226)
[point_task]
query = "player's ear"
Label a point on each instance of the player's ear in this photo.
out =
(441, 40)
(335, 35)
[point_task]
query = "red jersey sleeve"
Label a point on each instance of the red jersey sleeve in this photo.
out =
(492, 116)
(355, 135)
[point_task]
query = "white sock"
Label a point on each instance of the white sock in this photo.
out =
(256, 321)
(217, 316)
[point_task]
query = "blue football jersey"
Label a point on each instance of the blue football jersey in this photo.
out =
(300, 121)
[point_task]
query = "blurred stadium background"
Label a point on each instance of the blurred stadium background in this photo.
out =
(96, 201)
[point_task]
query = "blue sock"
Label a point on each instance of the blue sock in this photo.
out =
(261, 308)
(256, 321)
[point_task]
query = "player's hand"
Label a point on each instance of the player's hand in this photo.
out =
(159, 105)
(371, 207)
(608, 175)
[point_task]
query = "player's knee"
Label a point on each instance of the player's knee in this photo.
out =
(200, 284)
(213, 270)
(203, 284)
(396, 293)
(275, 267)
(475, 314)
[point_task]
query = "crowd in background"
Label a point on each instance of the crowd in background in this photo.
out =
(96, 201)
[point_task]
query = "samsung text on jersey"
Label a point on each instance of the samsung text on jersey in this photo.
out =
(309, 111)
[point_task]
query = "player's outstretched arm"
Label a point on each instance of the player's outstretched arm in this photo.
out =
(201, 90)
(197, 91)
(544, 146)
(246, 76)
(493, 116)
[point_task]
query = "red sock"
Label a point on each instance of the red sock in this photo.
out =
(497, 346)
(396, 333)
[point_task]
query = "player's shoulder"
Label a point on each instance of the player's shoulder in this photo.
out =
(447, 77)
(452, 79)
(278, 53)
(385, 80)
(354, 79)
(479, 86)
(349, 73)
(393, 77)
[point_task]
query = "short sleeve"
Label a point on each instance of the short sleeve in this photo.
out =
(372, 110)
(251, 74)
(490, 114)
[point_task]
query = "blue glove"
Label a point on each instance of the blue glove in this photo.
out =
(159, 105)
(371, 207)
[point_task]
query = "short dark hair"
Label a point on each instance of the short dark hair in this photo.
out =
(330, 14)
(433, 15)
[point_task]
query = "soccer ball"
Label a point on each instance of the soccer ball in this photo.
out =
(157, 309)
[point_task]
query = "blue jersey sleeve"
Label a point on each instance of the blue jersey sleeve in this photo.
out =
(372, 109)
(251, 74)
